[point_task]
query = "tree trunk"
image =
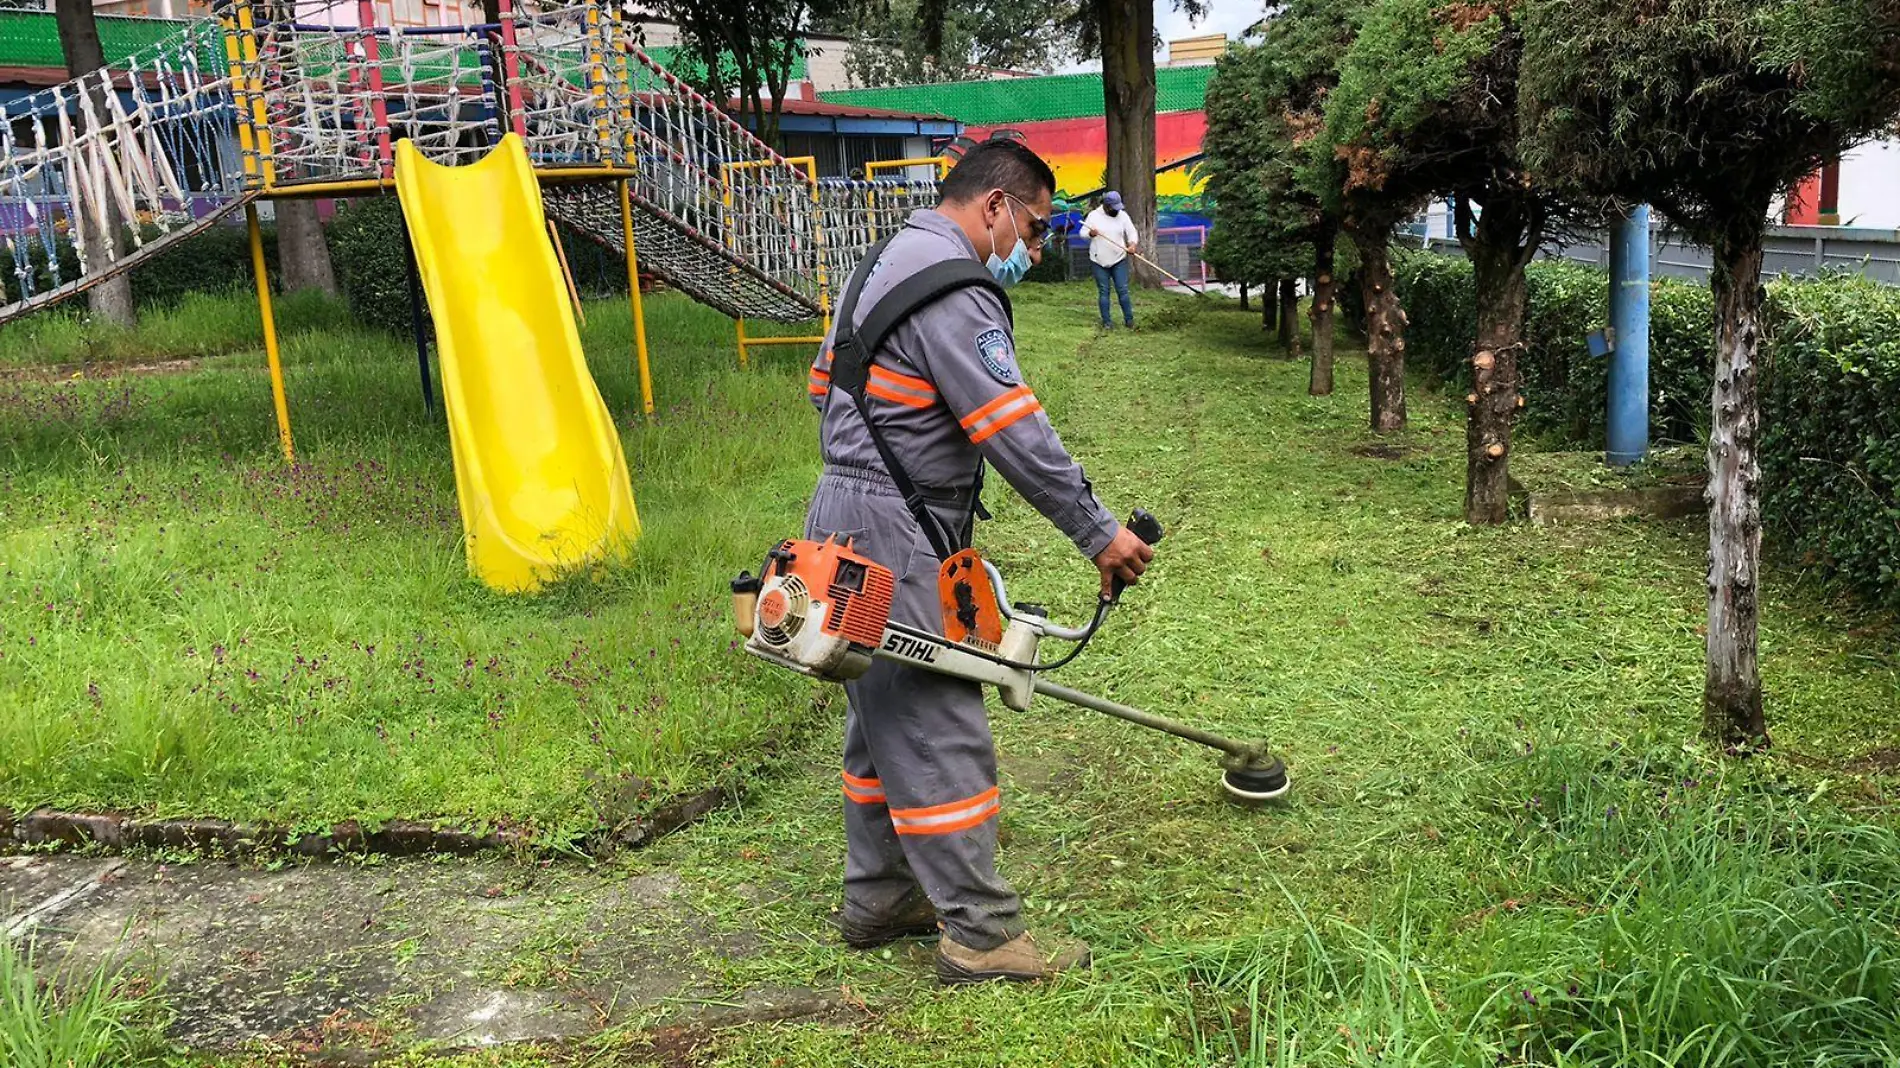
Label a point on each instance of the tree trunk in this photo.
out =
(1385, 332)
(1320, 382)
(1731, 696)
(1290, 317)
(1128, 97)
(110, 300)
(1269, 306)
(1243, 296)
(301, 251)
(1499, 278)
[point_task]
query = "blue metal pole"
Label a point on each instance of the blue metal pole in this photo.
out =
(1628, 419)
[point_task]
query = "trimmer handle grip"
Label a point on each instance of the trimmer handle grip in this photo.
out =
(1148, 529)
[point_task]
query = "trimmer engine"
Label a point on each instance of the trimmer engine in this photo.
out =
(819, 608)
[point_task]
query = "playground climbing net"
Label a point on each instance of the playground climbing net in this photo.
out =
(104, 170)
(857, 213)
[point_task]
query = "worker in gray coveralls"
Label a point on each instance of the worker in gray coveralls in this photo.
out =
(945, 391)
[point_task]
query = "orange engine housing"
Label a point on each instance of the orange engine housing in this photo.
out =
(858, 589)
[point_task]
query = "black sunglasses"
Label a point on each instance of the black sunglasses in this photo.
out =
(1038, 224)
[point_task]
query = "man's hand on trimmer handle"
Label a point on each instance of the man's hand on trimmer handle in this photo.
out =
(1122, 563)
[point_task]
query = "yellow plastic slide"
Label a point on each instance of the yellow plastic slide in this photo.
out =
(539, 472)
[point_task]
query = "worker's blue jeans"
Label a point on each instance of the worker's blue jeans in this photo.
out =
(1119, 275)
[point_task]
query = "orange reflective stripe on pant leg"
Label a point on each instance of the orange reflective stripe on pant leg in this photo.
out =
(948, 817)
(863, 791)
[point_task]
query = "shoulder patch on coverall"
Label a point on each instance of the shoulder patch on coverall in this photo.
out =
(999, 357)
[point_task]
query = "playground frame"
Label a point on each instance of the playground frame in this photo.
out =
(611, 89)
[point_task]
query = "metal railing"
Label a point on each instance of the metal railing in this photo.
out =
(1790, 250)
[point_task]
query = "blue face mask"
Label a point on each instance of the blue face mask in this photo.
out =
(1009, 271)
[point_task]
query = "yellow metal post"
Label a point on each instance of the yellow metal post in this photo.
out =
(627, 146)
(597, 78)
(260, 116)
(567, 275)
(936, 162)
(270, 334)
(824, 283)
(725, 178)
(234, 56)
(633, 297)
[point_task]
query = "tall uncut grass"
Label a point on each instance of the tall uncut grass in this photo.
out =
(70, 1018)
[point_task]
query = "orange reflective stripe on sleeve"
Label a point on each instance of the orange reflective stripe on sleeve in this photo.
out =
(946, 818)
(1000, 414)
(900, 389)
(819, 383)
(863, 791)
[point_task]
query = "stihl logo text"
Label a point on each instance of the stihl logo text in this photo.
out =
(911, 648)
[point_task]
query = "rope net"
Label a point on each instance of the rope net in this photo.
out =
(274, 95)
(857, 213)
(102, 171)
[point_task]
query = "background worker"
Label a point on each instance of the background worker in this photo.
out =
(943, 394)
(1112, 236)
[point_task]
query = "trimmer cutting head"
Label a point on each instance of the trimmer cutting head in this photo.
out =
(1254, 778)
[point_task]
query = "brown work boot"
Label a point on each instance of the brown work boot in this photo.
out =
(915, 917)
(1018, 960)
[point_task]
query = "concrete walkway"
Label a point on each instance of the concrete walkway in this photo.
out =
(371, 957)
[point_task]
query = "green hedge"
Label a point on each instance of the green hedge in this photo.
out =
(1830, 391)
(367, 239)
(1564, 386)
(1830, 444)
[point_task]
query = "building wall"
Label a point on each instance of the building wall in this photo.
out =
(1077, 150)
(825, 65)
(1870, 186)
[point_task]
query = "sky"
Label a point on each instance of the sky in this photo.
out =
(1224, 16)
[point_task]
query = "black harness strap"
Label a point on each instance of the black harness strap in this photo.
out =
(853, 349)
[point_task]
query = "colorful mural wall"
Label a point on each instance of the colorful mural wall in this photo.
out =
(1060, 116)
(1077, 149)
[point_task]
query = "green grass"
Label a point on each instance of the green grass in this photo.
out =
(1504, 845)
(189, 627)
(198, 325)
(100, 1019)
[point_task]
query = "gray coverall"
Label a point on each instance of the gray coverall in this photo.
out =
(919, 764)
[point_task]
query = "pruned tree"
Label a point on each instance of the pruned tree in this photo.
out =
(110, 300)
(1265, 104)
(1428, 103)
(1262, 228)
(302, 253)
(1707, 109)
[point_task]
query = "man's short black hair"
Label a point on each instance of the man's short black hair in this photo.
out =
(1000, 164)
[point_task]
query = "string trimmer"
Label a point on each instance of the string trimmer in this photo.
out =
(823, 610)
